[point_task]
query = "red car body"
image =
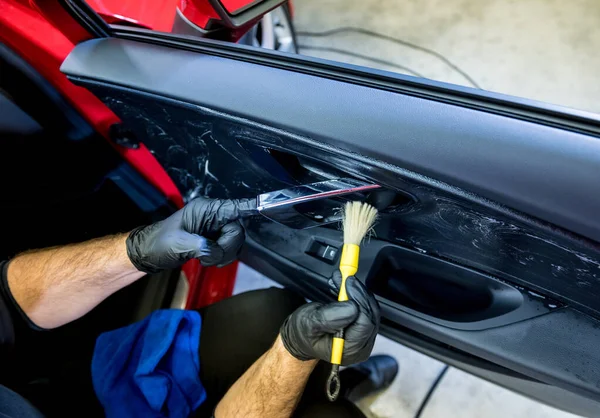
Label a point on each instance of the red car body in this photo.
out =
(43, 34)
(156, 15)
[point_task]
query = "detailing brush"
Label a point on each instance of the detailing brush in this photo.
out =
(358, 219)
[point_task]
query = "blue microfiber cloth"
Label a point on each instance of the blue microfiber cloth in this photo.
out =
(150, 368)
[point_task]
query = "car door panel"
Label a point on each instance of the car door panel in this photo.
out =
(488, 244)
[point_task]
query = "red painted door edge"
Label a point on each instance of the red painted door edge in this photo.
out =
(209, 284)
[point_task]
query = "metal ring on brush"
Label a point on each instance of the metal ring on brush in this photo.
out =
(333, 383)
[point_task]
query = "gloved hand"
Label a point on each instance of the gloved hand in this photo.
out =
(308, 332)
(207, 229)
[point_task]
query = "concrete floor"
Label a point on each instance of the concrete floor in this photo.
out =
(458, 395)
(539, 49)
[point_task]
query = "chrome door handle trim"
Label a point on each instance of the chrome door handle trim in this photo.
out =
(279, 205)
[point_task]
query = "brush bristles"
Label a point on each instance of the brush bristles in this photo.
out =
(358, 220)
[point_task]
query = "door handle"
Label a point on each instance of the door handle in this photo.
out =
(309, 205)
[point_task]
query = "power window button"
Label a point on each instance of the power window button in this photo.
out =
(324, 252)
(329, 253)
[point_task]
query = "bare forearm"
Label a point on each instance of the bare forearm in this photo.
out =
(57, 285)
(270, 388)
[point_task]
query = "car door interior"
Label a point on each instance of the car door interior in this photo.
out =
(485, 253)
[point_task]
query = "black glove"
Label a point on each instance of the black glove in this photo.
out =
(308, 332)
(207, 229)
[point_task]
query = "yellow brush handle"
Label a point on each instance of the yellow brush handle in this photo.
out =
(348, 267)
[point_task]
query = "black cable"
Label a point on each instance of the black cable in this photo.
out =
(364, 57)
(395, 40)
(431, 390)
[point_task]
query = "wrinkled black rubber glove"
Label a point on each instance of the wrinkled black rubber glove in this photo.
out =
(308, 332)
(207, 229)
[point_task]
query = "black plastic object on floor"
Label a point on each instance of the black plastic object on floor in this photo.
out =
(366, 378)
